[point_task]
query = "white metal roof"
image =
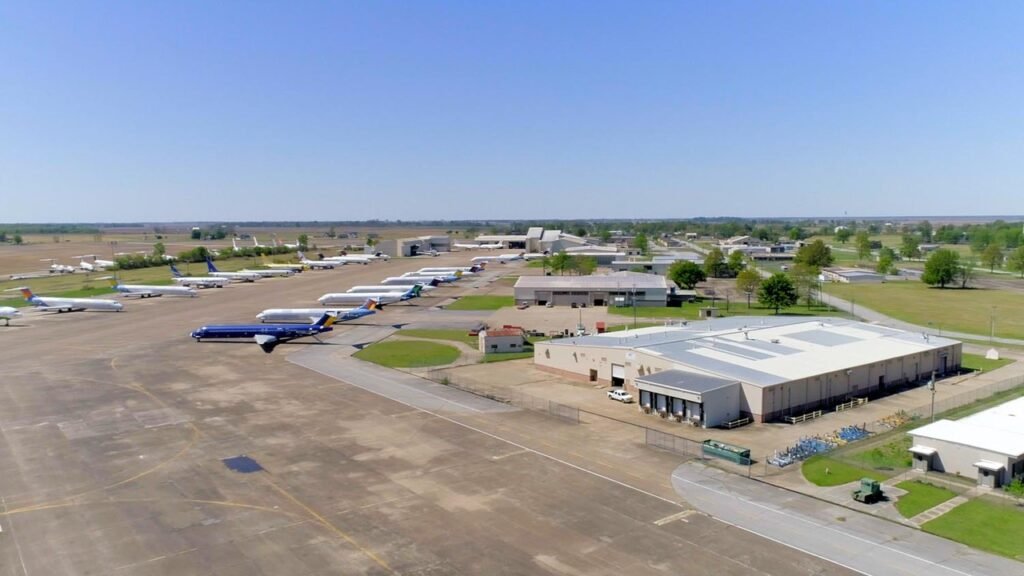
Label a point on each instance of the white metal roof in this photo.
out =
(764, 351)
(999, 429)
(618, 281)
(922, 450)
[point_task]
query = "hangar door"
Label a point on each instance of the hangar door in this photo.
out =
(618, 375)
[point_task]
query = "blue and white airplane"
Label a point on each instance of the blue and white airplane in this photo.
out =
(50, 303)
(146, 291)
(342, 298)
(197, 281)
(8, 313)
(267, 336)
(311, 314)
(240, 276)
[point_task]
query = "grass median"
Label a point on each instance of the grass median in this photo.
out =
(408, 354)
(920, 496)
(983, 525)
(481, 303)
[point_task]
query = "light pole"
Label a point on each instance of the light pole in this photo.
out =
(633, 298)
(931, 386)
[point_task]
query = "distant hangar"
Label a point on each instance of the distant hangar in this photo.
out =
(763, 368)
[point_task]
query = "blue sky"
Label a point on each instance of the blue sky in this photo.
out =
(129, 111)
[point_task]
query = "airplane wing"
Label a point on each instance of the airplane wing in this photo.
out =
(267, 342)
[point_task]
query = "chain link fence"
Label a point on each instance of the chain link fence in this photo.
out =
(510, 396)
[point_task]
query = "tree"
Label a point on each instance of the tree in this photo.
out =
(197, 234)
(714, 262)
(581, 232)
(777, 292)
(886, 257)
(17, 239)
(747, 281)
(941, 268)
(863, 242)
(843, 234)
(965, 271)
(992, 257)
(303, 242)
(159, 250)
(641, 243)
(909, 247)
(1015, 261)
(686, 274)
(606, 236)
(805, 280)
(736, 262)
(584, 265)
(815, 254)
(796, 233)
(925, 228)
(560, 262)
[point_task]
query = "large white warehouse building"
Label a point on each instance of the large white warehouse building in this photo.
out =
(764, 368)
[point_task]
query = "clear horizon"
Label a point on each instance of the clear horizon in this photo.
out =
(181, 112)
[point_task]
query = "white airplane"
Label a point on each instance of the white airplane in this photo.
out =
(533, 256)
(317, 264)
(466, 270)
(378, 256)
(274, 266)
(144, 291)
(269, 272)
(509, 257)
(349, 259)
(197, 281)
(7, 314)
(286, 245)
(89, 266)
(304, 315)
(240, 276)
(380, 297)
(48, 303)
(494, 246)
(56, 268)
(426, 279)
(255, 244)
(426, 287)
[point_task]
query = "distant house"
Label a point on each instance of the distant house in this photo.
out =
(501, 340)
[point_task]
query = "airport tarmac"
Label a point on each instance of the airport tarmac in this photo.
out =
(114, 428)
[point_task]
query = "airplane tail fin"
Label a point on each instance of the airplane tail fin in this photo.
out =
(372, 304)
(300, 255)
(434, 282)
(326, 320)
(416, 290)
(175, 272)
(210, 266)
(458, 273)
(27, 293)
(234, 243)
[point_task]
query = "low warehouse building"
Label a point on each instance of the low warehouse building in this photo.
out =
(777, 366)
(620, 288)
(414, 246)
(656, 265)
(852, 276)
(988, 445)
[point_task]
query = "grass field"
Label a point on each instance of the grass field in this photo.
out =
(442, 334)
(692, 311)
(489, 358)
(892, 455)
(824, 471)
(408, 354)
(920, 496)
(984, 525)
(949, 309)
(978, 362)
(481, 303)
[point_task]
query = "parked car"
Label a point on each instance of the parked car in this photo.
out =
(621, 396)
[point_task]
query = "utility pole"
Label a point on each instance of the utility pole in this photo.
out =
(931, 386)
(634, 306)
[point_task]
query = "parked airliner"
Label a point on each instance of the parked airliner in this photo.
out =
(240, 276)
(144, 291)
(268, 336)
(8, 313)
(49, 303)
(197, 281)
(424, 286)
(443, 278)
(315, 264)
(311, 314)
(494, 246)
(381, 297)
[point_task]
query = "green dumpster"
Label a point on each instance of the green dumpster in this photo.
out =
(737, 454)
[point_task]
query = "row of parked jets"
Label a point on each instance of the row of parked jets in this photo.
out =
(184, 285)
(279, 325)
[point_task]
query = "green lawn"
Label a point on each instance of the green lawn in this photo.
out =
(481, 303)
(946, 309)
(488, 358)
(824, 471)
(978, 362)
(442, 334)
(983, 525)
(691, 311)
(920, 496)
(892, 455)
(408, 354)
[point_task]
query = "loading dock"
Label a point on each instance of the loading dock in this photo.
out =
(702, 400)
